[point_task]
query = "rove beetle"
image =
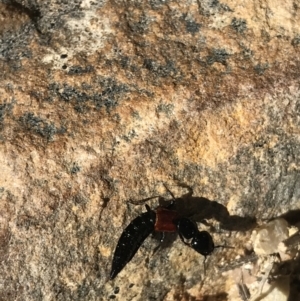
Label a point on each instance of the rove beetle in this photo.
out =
(162, 219)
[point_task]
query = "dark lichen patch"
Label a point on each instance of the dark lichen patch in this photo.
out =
(110, 86)
(4, 241)
(155, 291)
(130, 135)
(124, 62)
(192, 26)
(261, 68)
(150, 64)
(69, 93)
(269, 173)
(210, 7)
(78, 70)
(296, 41)
(239, 25)
(75, 168)
(219, 56)
(137, 24)
(83, 291)
(166, 108)
(157, 4)
(169, 69)
(108, 97)
(40, 126)
(5, 109)
(80, 199)
(84, 98)
(14, 46)
(247, 53)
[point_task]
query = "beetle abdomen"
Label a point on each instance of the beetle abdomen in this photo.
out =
(131, 239)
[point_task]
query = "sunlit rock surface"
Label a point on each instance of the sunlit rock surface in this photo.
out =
(102, 102)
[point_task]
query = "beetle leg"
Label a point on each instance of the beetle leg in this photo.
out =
(204, 266)
(205, 223)
(224, 246)
(189, 188)
(182, 239)
(188, 195)
(162, 237)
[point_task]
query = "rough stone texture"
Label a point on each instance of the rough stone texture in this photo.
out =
(104, 101)
(265, 240)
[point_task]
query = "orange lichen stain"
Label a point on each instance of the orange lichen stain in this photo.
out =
(218, 134)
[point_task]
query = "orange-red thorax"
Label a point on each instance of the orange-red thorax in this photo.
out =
(165, 220)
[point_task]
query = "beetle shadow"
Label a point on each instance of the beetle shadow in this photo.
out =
(200, 209)
(291, 216)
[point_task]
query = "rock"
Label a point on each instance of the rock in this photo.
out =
(101, 102)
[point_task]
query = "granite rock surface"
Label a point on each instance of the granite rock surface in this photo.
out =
(103, 102)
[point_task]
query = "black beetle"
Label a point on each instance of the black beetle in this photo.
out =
(162, 219)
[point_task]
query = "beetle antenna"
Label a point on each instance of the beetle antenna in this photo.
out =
(143, 201)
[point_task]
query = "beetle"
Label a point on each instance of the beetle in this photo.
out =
(162, 219)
